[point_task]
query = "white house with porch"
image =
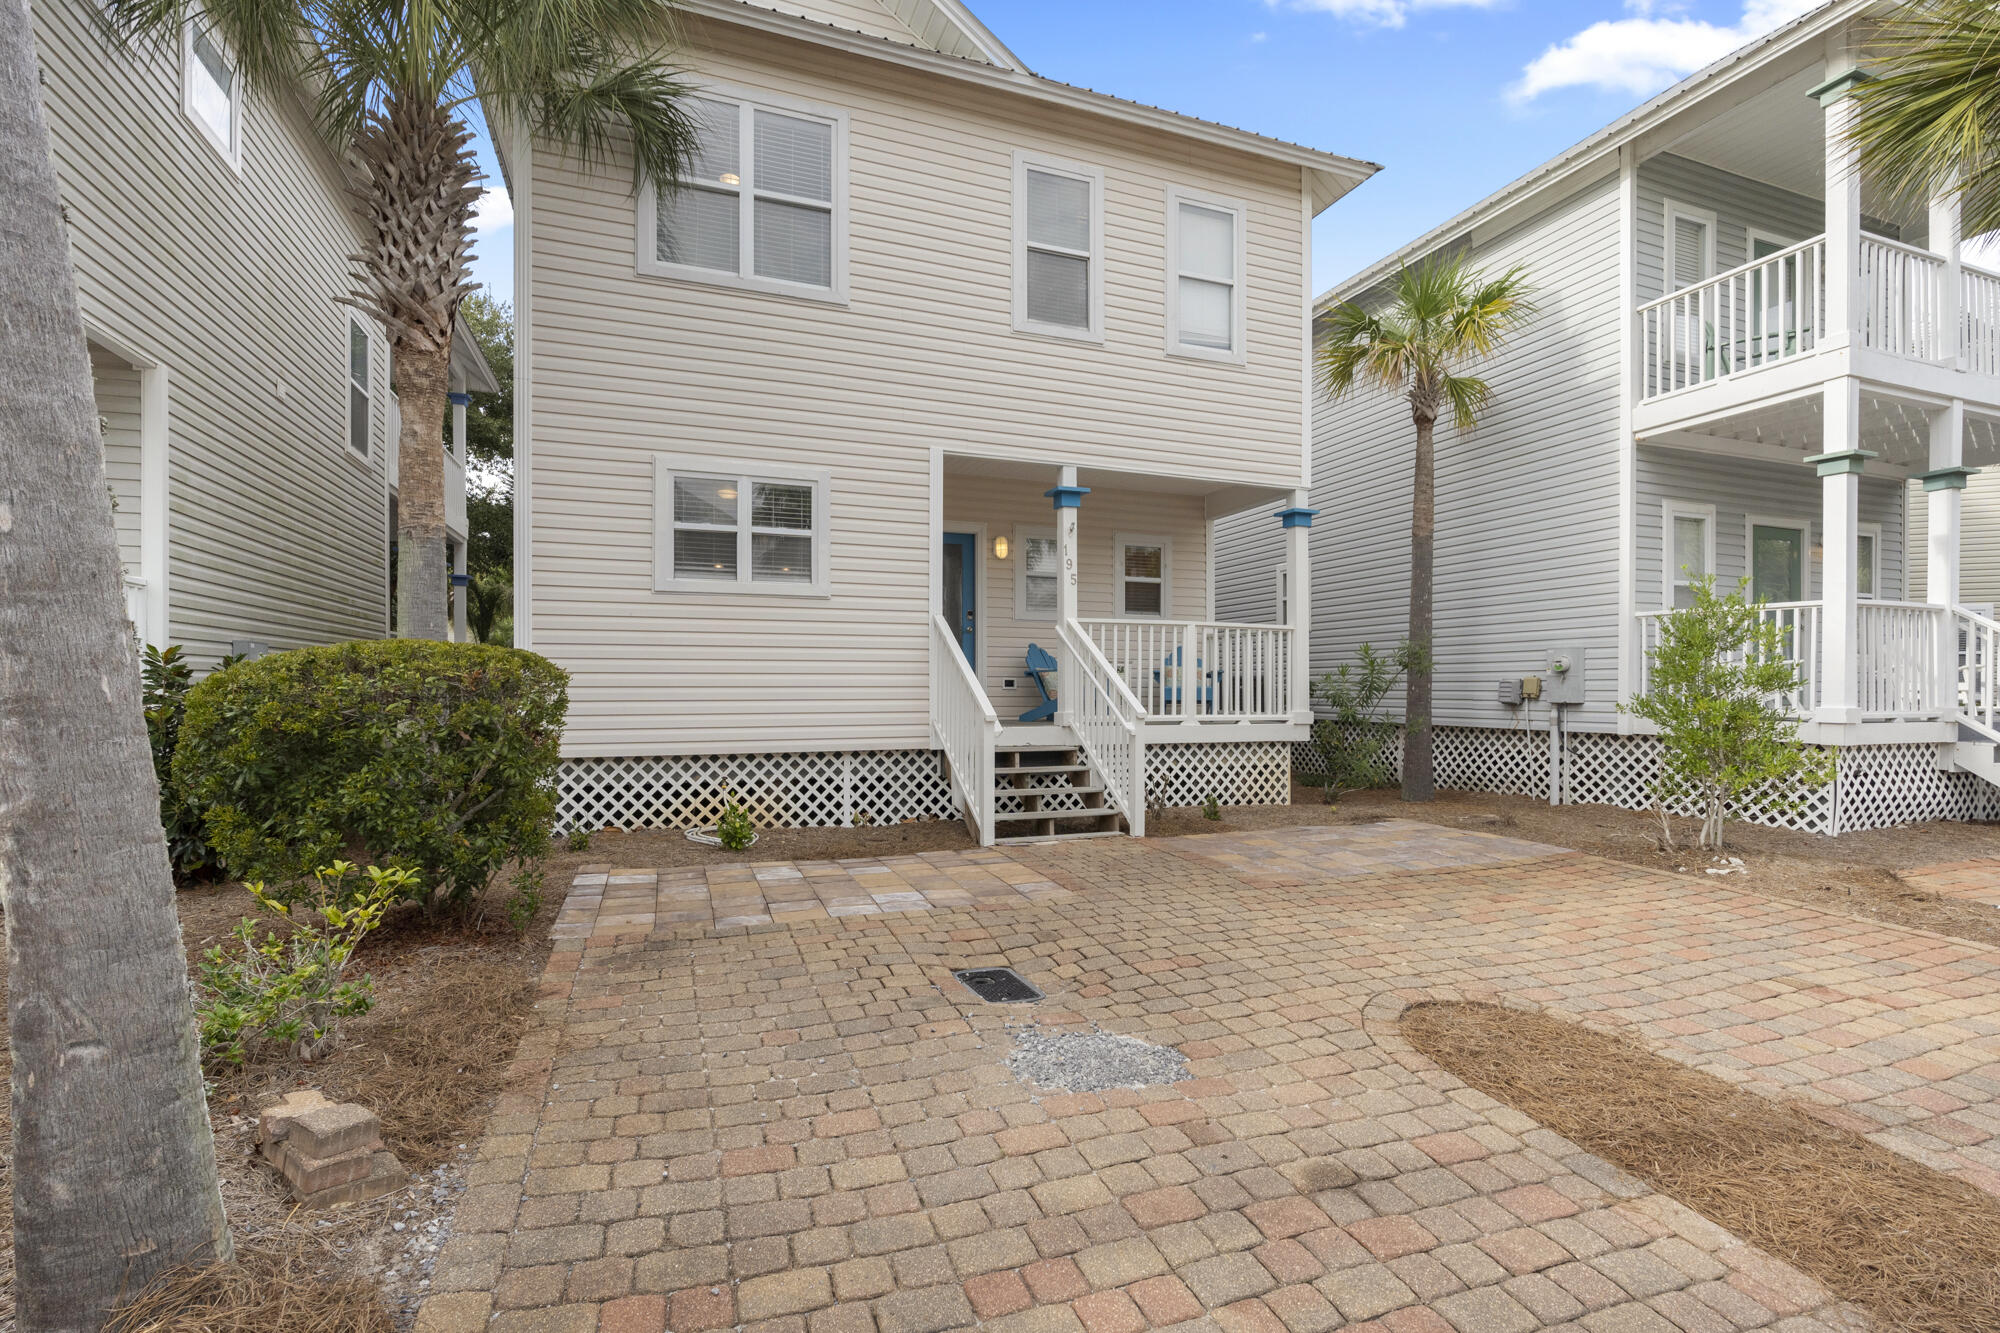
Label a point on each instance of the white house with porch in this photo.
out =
(909, 415)
(1745, 359)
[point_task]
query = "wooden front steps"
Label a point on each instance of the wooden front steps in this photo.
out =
(1056, 793)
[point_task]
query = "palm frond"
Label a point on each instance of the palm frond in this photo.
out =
(1468, 397)
(1928, 123)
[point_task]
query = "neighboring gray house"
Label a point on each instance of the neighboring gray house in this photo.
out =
(1743, 358)
(248, 423)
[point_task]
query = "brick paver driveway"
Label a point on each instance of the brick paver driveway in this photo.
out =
(805, 1125)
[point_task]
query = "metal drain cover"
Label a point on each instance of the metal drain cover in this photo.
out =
(997, 985)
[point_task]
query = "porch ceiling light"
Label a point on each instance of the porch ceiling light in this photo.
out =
(999, 548)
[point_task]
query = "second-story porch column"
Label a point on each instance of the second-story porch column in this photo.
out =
(1840, 500)
(1068, 499)
(1297, 524)
(1843, 202)
(1944, 241)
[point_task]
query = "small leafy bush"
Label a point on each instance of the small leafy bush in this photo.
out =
(734, 829)
(578, 840)
(437, 758)
(1211, 808)
(293, 991)
(1720, 691)
(526, 899)
(1350, 734)
(166, 676)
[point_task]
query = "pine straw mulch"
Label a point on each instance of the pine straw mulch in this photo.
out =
(1916, 1248)
(452, 999)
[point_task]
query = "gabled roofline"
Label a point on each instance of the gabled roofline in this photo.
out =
(979, 34)
(1332, 174)
(1568, 165)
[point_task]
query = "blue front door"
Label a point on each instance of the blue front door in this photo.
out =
(958, 596)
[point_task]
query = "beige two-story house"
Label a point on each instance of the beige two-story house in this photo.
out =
(871, 472)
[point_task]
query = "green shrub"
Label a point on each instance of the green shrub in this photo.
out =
(578, 840)
(734, 829)
(438, 758)
(1350, 734)
(1211, 808)
(293, 991)
(166, 676)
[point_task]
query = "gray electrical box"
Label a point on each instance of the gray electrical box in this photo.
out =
(1510, 691)
(1563, 676)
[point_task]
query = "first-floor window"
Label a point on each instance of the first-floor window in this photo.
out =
(1866, 548)
(1689, 540)
(1036, 591)
(735, 528)
(1284, 594)
(1142, 576)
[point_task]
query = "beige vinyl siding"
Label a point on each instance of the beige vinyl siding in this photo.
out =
(1009, 508)
(1249, 549)
(116, 387)
(922, 357)
(1978, 540)
(1737, 489)
(227, 280)
(1527, 505)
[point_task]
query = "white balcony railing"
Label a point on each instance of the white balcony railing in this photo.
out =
(1207, 671)
(1109, 722)
(1896, 656)
(1975, 684)
(965, 725)
(1754, 315)
(1773, 309)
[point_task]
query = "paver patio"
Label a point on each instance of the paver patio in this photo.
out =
(804, 1124)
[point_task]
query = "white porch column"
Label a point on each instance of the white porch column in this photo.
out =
(1944, 488)
(460, 584)
(1944, 241)
(458, 406)
(1068, 499)
(1840, 522)
(1844, 292)
(1296, 521)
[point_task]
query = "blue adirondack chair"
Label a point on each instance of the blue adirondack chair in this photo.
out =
(1041, 669)
(1172, 679)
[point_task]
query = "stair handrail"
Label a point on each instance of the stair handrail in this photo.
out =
(966, 727)
(1109, 723)
(1975, 645)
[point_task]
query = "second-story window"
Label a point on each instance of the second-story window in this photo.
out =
(762, 204)
(1205, 276)
(359, 395)
(211, 92)
(1058, 248)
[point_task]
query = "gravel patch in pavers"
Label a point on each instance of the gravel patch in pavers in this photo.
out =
(1093, 1061)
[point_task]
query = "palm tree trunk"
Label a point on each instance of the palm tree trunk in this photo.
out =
(1419, 783)
(114, 1163)
(422, 576)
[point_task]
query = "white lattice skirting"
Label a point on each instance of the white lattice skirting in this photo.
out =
(1874, 786)
(833, 789)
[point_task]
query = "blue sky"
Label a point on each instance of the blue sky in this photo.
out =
(1454, 98)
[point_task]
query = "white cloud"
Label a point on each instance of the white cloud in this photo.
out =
(493, 212)
(1647, 51)
(1380, 13)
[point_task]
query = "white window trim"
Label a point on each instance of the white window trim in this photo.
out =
(1236, 353)
(1670, 574)
(1021, 612)
(1119, 542)
(1872, 530)
(1702, 215)
(1752, 235)
(1752, 522)
(668, 466)
(1076, 171)
(646, 234)
(232, 150)
(347, 390)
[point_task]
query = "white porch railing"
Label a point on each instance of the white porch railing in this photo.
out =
(1755, 314)
(1109, 722)
(1896, 656)
(966, 727)
(1798, 630)
(1196, 670)
(1902, 298)
(1979, 318)
(1896, 645)
(1976, 692)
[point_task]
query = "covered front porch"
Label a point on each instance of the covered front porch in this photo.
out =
(1073, 627)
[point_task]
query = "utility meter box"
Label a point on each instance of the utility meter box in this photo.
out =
(1563, 676)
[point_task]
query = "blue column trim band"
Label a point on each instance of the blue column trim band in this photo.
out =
(1068, 497)
(460, 399)
(1295, 517)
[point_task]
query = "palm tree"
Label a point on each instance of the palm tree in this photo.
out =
(1927, 121)
(1440, 317)
(395, 85)
(113, 1161)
